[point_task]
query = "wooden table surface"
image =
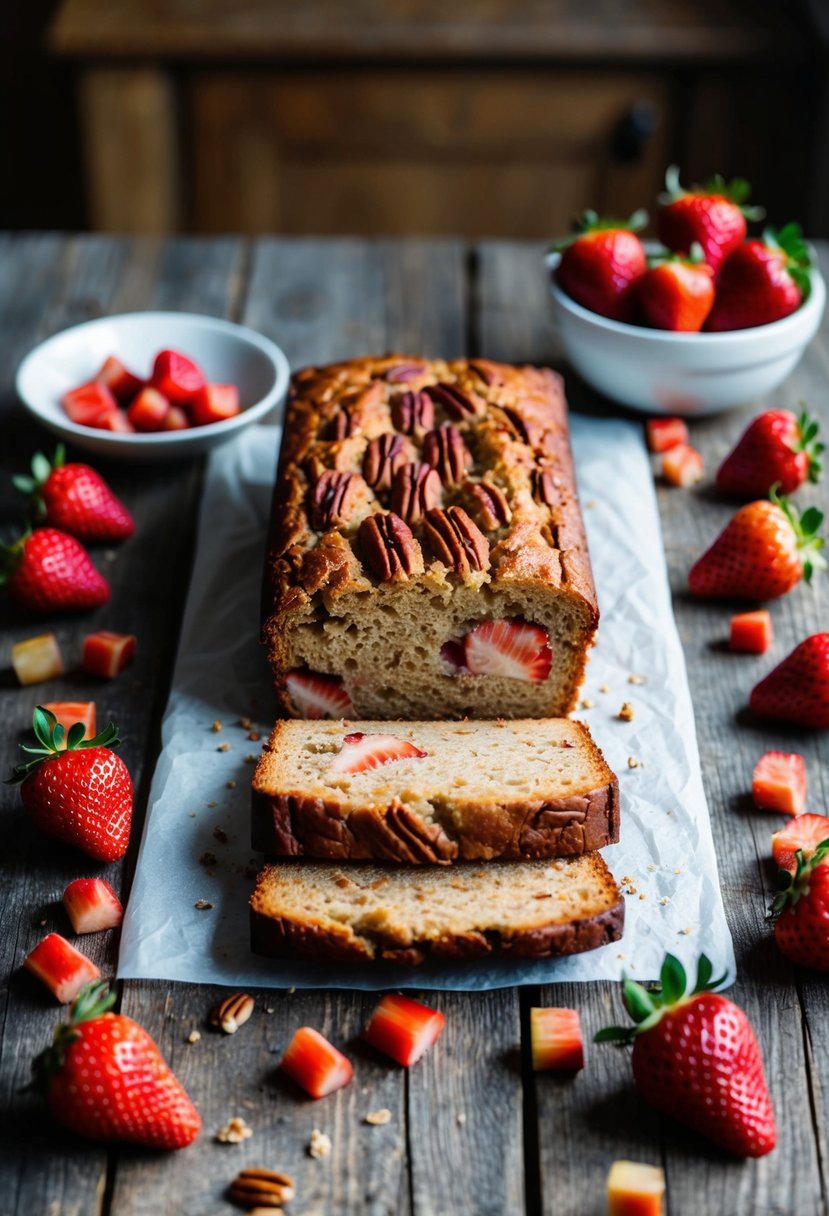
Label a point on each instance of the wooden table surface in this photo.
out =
(472, 1130)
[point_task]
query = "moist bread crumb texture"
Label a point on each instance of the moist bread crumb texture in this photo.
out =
(415, 501)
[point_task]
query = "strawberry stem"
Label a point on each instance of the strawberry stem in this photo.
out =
(806, 530)
(92, 1001)
(42, 469)
(647, 1006)
(736, 191)
(807, 441)
(800, 256)
(791, 887)
(590, 221)
(53, 740)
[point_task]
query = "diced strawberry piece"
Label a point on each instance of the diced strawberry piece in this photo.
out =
(751, 632)
(121, 383)
(62, 968)
(214, 403)
(779, 783)
(634, 1189)
(106, 653)
(70, 712)
(37, 659)
(805, 833)
(665, 433)
(148, 410)
(88, 403)
(682, 466)
(318, 696)
(403, 1029)
(510, 648)
(315, 1064)
(555, 1039)
(177, 377)
(92, 905)
(117, 421)
(175, 419)
(362, 752)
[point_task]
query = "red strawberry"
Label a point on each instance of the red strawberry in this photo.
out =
(797, 690)
(778, 446)
(214, 403)
(49, 571)
(318, 696)
(751, 632)
(779, 783)
(764, 552)
(804, 834)
(89, 403)
(696, 1059)
(75, 498)
(62, 968)
(599, 266)
(104, 1078)
(77, 789)
(677, 293)
(121, 383)
(92, 905)
(762, 281)
(666, 433)
(683, 466)
(361, 752)
(403, 1029)
(801, 908)
(712, 216)
(511, 648)
(149, 410)
(177, 377)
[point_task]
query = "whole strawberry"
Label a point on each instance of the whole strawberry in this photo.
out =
(762, 554)
(677, 293)
(75, 498)
(712, 216)
(49, 571)
(696, 1059)
(762, 281)
(77, 789)
(801, 910)
(778, 447)
(797, 690)
(600, 266)
(105, 1078)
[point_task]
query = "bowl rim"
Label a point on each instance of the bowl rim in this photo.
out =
(814, 303)
(242, 333)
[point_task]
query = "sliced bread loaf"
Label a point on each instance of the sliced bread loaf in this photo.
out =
(433, 792)
(534, 909)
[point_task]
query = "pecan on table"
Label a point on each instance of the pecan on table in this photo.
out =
(256, 1187)
(445, 450)
(456, 540)
(388, 547)
(415, 490)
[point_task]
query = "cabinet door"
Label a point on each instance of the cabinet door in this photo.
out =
(480, 153)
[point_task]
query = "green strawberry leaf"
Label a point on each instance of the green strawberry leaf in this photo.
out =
(613, 1034)
(673, 979)
(638, 1001)
(53, 741)
(705, 970)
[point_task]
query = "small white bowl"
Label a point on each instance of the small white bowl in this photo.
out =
(227, 353)
(662, 372)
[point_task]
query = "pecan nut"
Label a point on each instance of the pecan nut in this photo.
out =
(383, 457)
(412, 412)
(458, 405)
(445, 450)
(546, 487)
(388, 547)
(402, 372)
(355, 410)
(232, 1012)
(489, 372)
(415, 490)
(334, 498)
(257, 1187)
(456, 540)
(489, 504)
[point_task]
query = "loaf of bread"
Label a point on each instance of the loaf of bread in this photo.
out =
(427, 555)
(519, 910)
(433, 792)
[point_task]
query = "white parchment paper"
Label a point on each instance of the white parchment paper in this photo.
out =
(195, 848)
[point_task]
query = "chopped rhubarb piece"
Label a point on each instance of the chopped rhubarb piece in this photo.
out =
(555, 1038)
(214, 403)
(148, 410)
(510, 648)
(121, 383)
(318, 696)
(106, 654)
(315, 1064)
(682, 466)
(37, 659)
(805, 832)
(175, 419)
(665, 433)
(403, 1029)
(634, 1189)
(751, 632)
(361, 752)
(87, 404)
(62, 968)
(177, 377)
(92, 905)
(117, 421)
(779, 783)
(70, 712)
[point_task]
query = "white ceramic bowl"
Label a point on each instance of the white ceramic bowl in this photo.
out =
(227, 353)
(685, 374)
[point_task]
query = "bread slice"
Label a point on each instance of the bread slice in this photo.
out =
(480, 790)
(530, 909)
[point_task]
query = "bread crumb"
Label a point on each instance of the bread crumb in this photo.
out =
(634, 679)
(208, 859)
(591, 503)
(604, 688)
(625, 714)
(587, 703)
(665, 900)
(193, 1036)
(270, 1009)
(202, 905)
(250, 758)
(378, 1117)
(643, 896)
(635, 762)
(319, 1145)
(246, 724)
(192, 814)
(212, 804)
(652, 867)
(685, 932)
(678, 870)
(234, 1132)
(621, 956)
(254, 736)
(220, 834)
(231, 785)
(217, 726)
(461, 1119)
(223, 747)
